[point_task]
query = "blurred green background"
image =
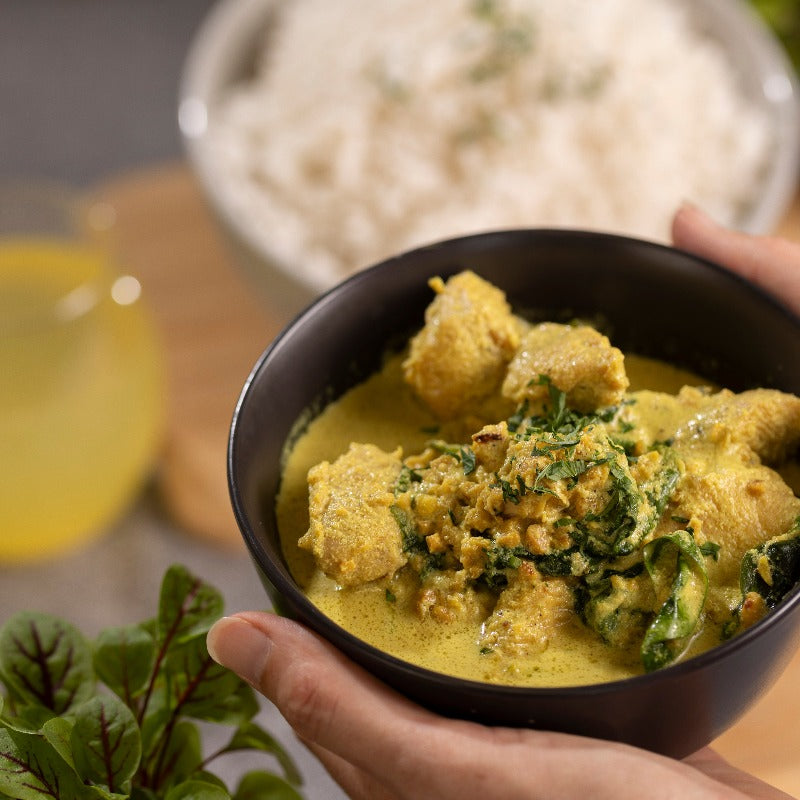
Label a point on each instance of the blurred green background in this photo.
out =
(784, 18)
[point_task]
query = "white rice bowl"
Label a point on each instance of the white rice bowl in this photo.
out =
(372, 127)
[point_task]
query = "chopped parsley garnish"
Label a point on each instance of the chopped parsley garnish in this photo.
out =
(406, 477)
(511, 494)
(412, 541)
(569, 469)
(511, 38)
(414, 544)
(460, 453)
(498, 561)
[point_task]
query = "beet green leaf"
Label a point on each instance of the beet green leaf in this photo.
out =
(45, 662)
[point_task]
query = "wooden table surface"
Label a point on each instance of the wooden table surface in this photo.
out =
(213, 330)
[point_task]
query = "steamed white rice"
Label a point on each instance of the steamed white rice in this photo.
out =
(375, 126)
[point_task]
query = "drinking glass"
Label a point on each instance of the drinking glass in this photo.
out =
(81, 384)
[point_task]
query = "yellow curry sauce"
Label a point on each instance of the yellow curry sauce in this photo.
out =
(483, 629)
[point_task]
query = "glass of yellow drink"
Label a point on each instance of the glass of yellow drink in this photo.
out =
(81, 389)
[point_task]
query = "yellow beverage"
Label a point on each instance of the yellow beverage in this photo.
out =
(81, 402)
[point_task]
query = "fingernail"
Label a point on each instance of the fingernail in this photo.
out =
(236, 644)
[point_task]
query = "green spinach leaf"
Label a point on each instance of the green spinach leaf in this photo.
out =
(773, 568)
(674, 562)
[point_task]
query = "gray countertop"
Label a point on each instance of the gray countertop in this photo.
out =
(88, 90)
(89, 87)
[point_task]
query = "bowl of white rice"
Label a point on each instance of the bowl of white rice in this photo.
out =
(330, 135)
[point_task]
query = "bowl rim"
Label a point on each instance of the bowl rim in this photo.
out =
(335, 634)
(217, 38)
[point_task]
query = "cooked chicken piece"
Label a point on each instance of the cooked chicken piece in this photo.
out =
(655, 416)
(461, 353)
(490, 444)
(529, 612)
(578, 360)
(738, 506)
(765, 420)
(352, 533)
(448, 596)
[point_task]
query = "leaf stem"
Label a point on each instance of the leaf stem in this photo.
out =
(162, 651)
(160, 772)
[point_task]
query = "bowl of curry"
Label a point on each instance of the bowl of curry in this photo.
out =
(536, 478)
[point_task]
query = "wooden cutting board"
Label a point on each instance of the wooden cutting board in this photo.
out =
(214, 329)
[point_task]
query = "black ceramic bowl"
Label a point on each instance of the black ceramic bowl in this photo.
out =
(653, 300)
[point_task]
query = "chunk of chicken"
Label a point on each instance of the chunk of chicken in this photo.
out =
(579, 361)
(764, 420)
(739, 506)
(461, 353)
(490, 444)
(448, 596)
(352, 533)
(529, 612)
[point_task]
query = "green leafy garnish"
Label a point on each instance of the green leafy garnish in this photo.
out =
(459, 452)
(406, 478)
(608, 603)
(412, 541)
(498, 561)
(511, 38)
(511, 493)
(565, 469)
(616, 529)
(414, 544)
(709, 549)
(674, 562)
(118, 717)
(773, 568)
